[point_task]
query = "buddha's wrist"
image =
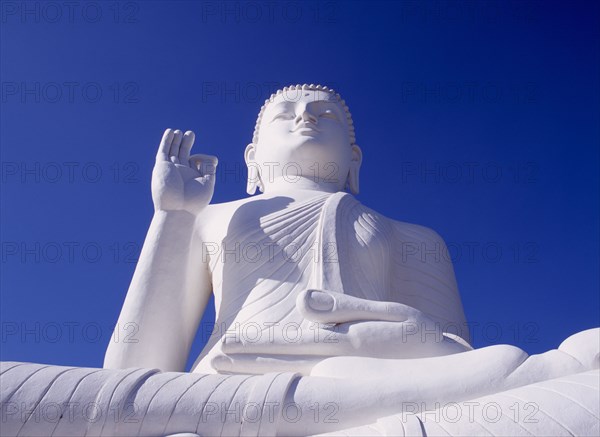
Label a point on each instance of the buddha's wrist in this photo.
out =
(173, 215)
(172, 222)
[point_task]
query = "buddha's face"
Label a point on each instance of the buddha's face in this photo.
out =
(304, 133)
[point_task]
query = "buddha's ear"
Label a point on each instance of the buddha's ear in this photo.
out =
(254, 180)
(355, 163)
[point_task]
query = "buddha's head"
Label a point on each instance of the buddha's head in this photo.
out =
(304, 132)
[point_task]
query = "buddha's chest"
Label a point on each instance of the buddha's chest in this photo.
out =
(265, 253)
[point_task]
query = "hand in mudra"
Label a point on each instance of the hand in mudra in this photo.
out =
(342, 325)
(181, 182)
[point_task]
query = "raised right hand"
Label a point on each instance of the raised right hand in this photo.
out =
(181, 182)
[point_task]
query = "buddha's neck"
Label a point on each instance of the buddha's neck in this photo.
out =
(291, 184)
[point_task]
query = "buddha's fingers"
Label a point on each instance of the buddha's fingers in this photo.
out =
(257, 365)
(175, 145)
(186, 145)
(205, 164)
(165, 146)
(328, 307)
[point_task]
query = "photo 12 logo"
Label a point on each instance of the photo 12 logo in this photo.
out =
(70, 91)
(269, 12)
(69, 12)
(69, 172)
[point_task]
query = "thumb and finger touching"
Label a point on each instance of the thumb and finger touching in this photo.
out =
(328, 307)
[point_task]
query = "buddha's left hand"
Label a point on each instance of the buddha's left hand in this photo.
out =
(341, 325)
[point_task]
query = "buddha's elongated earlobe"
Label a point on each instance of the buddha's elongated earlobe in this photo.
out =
(355, 163)
(254, 180)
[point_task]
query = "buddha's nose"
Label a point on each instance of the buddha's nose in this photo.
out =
(305, 116)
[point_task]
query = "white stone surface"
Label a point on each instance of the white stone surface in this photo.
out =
(325, 309)
(497, 390)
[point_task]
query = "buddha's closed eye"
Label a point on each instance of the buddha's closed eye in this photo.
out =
(283, 116)
(289, 115)
(329, 114)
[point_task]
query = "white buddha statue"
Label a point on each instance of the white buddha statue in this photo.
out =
(320, 301)
(261, 255)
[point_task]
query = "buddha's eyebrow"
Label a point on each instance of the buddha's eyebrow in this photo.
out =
(328, 103)
(282, 106)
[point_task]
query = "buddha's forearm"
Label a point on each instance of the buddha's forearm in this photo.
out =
(155, 324)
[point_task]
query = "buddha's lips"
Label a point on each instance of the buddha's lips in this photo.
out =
(306, 126)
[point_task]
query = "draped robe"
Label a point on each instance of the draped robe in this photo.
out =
(333, 242)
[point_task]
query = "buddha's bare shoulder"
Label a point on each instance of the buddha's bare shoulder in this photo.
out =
(261, 200)
(223, 207)
(215, 220)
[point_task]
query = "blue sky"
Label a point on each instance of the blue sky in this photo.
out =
(480, 120)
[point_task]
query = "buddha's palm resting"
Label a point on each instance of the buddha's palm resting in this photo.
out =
(330, 318)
